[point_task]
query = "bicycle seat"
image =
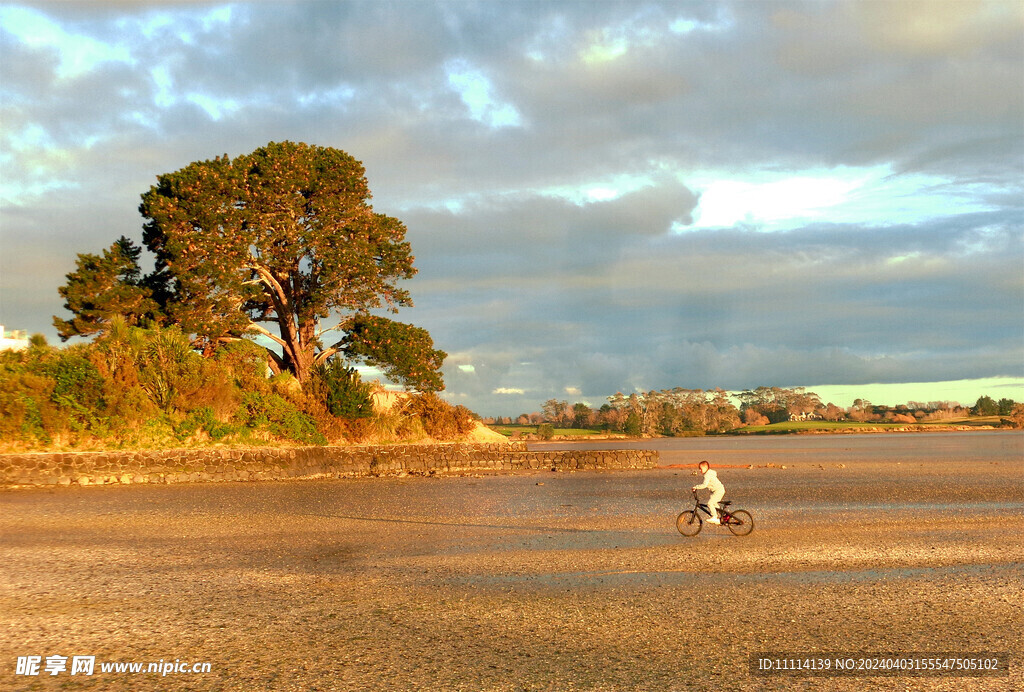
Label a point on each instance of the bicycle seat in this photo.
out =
(726, 502)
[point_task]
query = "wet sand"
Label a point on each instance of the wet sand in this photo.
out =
(532, 581)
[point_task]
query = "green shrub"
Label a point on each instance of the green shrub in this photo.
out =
(33, 411)
(79, 390)
(441, 420)
(32, 427)
(148, 388)
(545, 431)
(161, 361)
(203, 419)
(77, 379)
(245, 363)
(153, 433)
(20, 398)
(279, 417)
(342, 390)
(634, 426)
(168, 367)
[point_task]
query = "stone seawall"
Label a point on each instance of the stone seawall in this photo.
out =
(268, 463)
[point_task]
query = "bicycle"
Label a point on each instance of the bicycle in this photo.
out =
(691, 522)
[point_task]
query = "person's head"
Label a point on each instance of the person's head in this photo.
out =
(703, 466)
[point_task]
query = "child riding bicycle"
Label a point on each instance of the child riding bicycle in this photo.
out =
(712, 483)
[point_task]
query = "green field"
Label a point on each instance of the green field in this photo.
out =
(814, 426)
(510, 430)
(787, 428)
(848, 426)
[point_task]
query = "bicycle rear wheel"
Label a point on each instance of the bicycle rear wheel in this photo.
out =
(688, 523)
(740, 522)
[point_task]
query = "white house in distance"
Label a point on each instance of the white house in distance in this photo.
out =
(13, 341)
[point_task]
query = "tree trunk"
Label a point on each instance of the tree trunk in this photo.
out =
(300, 351)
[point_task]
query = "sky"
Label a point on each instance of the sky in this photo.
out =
(601, 196)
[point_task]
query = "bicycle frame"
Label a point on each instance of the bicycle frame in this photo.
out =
(723, 513)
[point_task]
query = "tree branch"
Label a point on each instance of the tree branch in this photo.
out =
(267, 333)
(270, 282)
(276, 362)
(325, 354)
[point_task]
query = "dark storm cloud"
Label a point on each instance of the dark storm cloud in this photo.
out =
(732, 308)
(559, 229)
(522, 275)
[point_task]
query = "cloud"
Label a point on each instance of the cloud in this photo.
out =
(73, 54)
(600, 196)
(921, 28)
(476, 92)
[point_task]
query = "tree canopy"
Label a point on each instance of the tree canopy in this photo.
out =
(103, 286)
(281, 243)
(986, 406)
(777, 403)
(405, 353)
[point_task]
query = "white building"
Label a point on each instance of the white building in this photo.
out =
(13, 341)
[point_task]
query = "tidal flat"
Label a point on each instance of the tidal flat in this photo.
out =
(530, 581)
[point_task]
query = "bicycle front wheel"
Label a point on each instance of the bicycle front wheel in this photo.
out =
(688, 523)
(741, 523)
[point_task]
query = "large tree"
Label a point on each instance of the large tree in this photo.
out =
(283, 243)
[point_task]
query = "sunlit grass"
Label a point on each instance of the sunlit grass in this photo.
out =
(842, 426)
(817, 425)
(510, 430)
(788, 427)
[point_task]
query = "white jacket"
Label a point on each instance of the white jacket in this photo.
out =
(711, 482)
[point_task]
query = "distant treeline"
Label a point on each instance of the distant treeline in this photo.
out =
(679, 411)
(149, 388)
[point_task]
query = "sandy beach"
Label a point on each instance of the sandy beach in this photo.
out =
(530, 581)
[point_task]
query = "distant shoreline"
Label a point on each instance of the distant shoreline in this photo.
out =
(575, 438)
(870, 430)
(867, 430)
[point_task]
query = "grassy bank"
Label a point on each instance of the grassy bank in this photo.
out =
(816, 427)
(820, 426)
(519, 430)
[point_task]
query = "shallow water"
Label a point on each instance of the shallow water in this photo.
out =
(945, 447)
